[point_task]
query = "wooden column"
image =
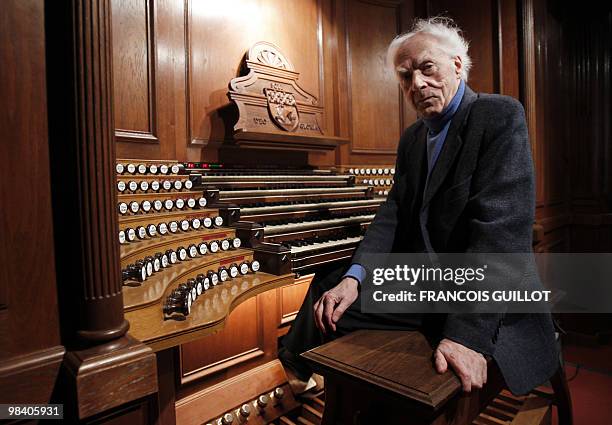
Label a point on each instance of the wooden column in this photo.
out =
(100, 286)
(107, 372)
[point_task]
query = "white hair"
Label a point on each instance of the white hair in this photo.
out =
(445, 31)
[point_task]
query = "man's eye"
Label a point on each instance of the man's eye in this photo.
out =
(428, 69)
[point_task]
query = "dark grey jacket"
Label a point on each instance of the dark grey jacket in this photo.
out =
(480, 198)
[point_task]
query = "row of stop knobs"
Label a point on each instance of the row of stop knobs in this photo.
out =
(256, 407)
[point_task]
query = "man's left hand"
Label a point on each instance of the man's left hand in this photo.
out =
(469, 365)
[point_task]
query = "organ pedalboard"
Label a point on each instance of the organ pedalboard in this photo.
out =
(197, 239)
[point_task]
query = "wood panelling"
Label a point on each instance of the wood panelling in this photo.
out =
(133, 62)
(219, 34)
(291, 298)
(375, 100)
(149, 78)
(28, 276)
(241, 339)
(508, 49)
(248, 339)
(482, 32)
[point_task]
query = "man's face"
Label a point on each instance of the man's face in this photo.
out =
(429, 77)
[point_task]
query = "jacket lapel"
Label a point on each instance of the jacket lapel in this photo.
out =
(452, 146)
(415, 157)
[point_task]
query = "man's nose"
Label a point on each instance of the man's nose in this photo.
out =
(418, 82)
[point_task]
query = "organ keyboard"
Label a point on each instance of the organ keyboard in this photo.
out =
(310, 217)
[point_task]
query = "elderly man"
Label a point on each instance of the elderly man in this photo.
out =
(464, 183)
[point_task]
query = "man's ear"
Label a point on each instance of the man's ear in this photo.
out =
(458, 65)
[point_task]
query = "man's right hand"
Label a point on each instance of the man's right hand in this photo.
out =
(333, 304)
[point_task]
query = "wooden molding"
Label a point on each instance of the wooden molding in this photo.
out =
(30, 378)
(135, 136)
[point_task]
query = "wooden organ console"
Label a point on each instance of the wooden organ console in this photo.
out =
(196, 240)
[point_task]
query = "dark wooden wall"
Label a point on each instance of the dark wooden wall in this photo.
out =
(30, 348)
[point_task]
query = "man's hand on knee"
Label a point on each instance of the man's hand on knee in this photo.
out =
(333, 303)
(469, 365)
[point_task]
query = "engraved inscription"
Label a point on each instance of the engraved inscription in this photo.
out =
(307, 126)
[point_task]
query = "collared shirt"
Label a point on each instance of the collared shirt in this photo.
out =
(437, 129)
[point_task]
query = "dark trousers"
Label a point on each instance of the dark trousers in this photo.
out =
(304, 334)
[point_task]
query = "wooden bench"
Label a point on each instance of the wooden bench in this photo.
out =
(388, 378)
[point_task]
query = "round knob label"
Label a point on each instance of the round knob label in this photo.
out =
(153, 169)
(149, 268)
(195, 223)
(163, 228)
(163, 169)
(255, 265)
(121, 186)
(180, 203)
(214, 246)
(157, 204)
(146, 206)
(202, 202)
(133, 186)
(223, 275)
(119, 168)
(214, 279)
(175, 169)
(142, 169)
(131, 168)
(156, 264)
(155, 185)
(173, 258)
(233, 271)
(182, 254)
(225, 245)
(121, 236)
(167, 185)
(152, 230)
(173, 226)
(193, 251)
(131, 235)
(134, 206)
(184, 225)
(164, 261)
(218, 221)
(203, 248)
(207, 222)
(123, 208)
(191, 202)
(237, 242)
(144, 185)
(188, 184)
(142, 233)
(168, 203)
(244, 268)
(178, 185)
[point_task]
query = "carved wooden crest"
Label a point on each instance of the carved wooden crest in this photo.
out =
(273, 109)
